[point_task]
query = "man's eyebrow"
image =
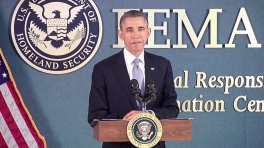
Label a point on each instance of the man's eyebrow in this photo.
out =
(128, 28)
(141, 27)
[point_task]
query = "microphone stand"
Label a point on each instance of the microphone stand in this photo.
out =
(137, 94)
(144, 105)
(144, 102)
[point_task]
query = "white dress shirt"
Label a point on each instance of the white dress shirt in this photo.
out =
(129, 58)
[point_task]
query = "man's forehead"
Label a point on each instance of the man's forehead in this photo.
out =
(134, 23)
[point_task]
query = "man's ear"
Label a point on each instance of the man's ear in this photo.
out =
(120, 34)
(149, 31)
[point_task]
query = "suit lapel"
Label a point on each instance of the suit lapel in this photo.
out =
(120, 70)
(149, 68)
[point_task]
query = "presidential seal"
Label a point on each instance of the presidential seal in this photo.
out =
(144, 130)
(56, 36)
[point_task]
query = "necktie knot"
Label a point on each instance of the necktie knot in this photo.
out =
(136, 61)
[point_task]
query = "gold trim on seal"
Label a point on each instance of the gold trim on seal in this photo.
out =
(143, 127)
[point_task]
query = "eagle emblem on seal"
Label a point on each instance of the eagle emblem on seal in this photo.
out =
(57, 28)
(56, 36)
(144, 129)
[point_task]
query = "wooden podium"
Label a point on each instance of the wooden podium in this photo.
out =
(116, 130)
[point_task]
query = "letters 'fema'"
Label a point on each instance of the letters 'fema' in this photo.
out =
(183, 21)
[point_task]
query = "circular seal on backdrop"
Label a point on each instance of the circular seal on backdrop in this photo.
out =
(144, 130)
(56, 36)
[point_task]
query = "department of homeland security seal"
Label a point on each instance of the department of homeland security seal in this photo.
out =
(56, 36)
(144, 130)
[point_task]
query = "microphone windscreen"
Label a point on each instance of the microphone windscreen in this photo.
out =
(133, 81)
(150, 81)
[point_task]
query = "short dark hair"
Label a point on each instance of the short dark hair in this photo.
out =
(132, 13)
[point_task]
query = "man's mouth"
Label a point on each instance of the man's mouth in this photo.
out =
(137, 42)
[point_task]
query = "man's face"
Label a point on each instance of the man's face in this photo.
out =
(134, 33)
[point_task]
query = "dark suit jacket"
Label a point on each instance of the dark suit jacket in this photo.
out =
(111, 96)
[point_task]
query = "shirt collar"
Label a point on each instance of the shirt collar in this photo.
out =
(129, 58)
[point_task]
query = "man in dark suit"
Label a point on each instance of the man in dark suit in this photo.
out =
(111, 96)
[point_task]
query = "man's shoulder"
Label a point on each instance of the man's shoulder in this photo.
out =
(155, 57)
(109, 60)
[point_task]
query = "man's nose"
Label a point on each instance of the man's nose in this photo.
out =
(136, 34)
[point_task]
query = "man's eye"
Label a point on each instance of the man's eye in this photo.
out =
(141, 29)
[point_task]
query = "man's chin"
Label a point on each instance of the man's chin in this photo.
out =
(138, 48)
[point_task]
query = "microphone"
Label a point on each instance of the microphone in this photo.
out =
(135, 90)
(152, 90)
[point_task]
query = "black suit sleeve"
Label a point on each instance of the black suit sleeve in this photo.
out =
(168, 107)
(98, 101)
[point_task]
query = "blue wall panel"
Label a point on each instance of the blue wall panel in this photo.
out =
(59, 103)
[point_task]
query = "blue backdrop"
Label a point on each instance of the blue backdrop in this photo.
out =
(59, 103)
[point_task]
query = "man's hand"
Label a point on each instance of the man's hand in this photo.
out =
(132, 113)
